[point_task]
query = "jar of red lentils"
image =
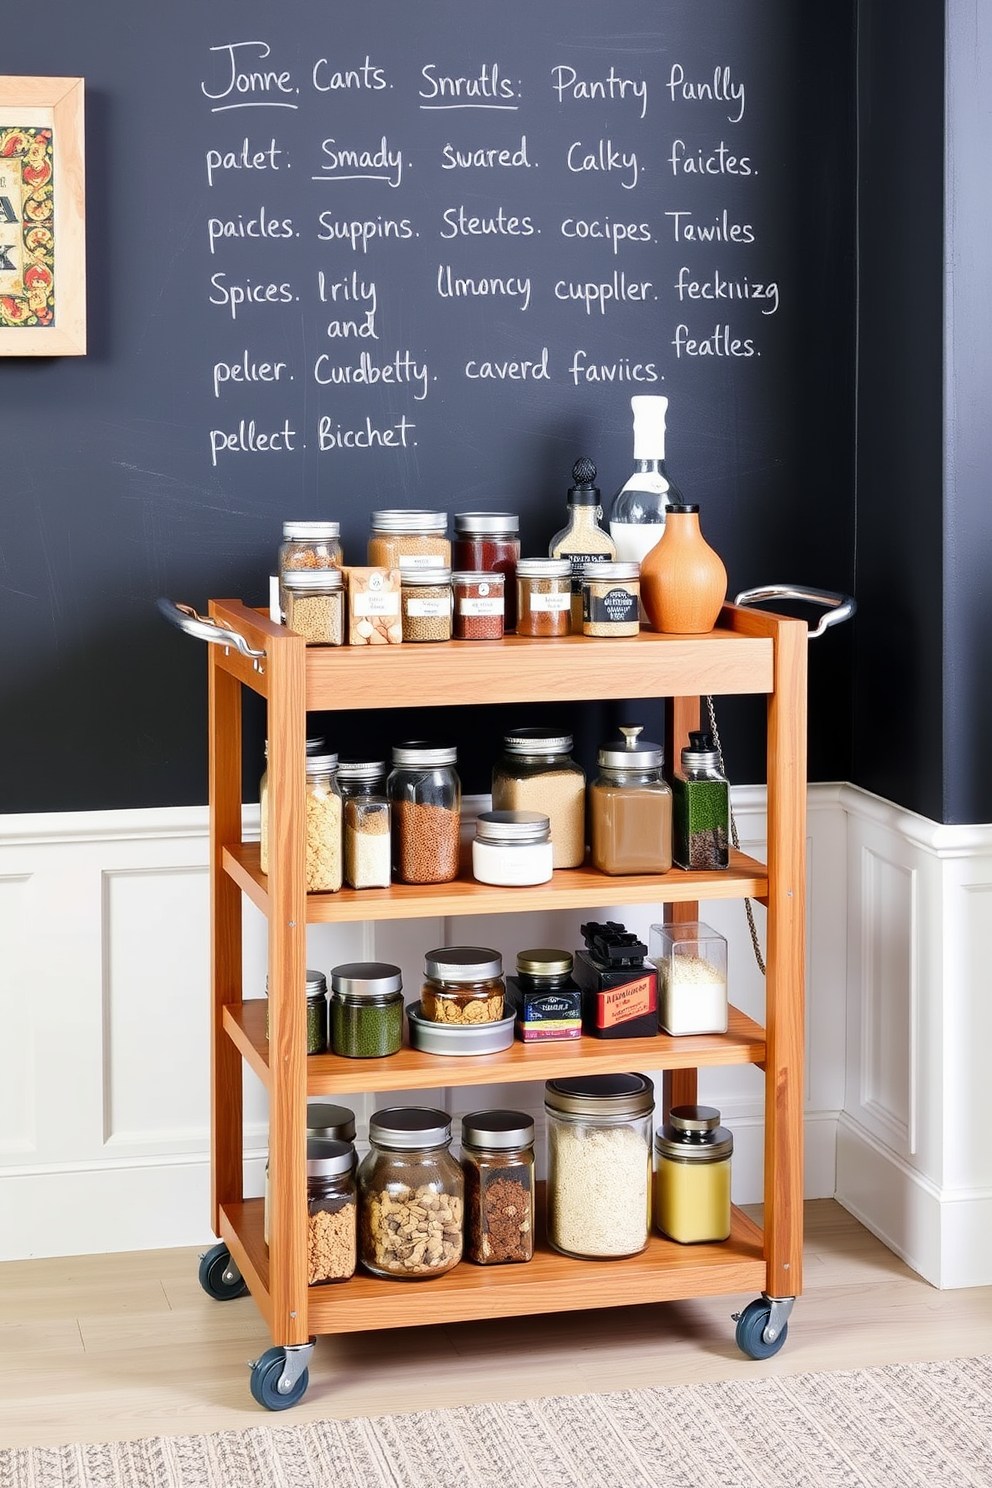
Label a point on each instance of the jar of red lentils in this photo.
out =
(490, 542)
(479, 599)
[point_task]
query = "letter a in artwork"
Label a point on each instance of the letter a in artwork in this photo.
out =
(7, 213)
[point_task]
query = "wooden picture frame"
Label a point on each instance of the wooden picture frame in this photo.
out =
(42, 217)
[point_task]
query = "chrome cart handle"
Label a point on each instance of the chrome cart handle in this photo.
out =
(839, 606)
(186, 618)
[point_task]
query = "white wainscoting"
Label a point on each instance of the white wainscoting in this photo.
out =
(103, 1004)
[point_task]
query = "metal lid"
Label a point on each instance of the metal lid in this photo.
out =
(330, 1123)
(701, 752)
(694, 1134)
(543, 568)
(512, 826)
(478, 523)
(424, 752)
(408, 1127)
(631, 752)
(326, 1158)
(426, 576)
(366, 978)
(491, 576)
(497, 1129)
(310, 531)
(619, 1097)
(313, 578)
(321, 764)
(313, 746)
(316, 984)
(353, 769)
(537, 741)
(409, 521)
(544, 962)
(694, 1119)
(611, 570)
(463, 964)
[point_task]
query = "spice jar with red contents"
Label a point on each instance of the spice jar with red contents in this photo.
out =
(489, 542)
(479, 604)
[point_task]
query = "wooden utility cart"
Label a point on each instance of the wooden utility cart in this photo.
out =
(749, 652)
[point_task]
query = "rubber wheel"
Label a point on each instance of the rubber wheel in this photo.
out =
(212, 1279)
(751, 1325)
(265, 1375)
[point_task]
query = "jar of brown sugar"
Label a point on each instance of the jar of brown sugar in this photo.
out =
(478, 606)
(425, 604)
(425, 793)
(490, 542)
(544, 597)
(463, 984)
(409, 539)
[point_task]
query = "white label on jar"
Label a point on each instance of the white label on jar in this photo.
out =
(420, 560)
(492, 606)
(367, 603)
(425, 607)
(554, 602)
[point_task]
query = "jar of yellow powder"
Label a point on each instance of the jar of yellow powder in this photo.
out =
(692, 1175)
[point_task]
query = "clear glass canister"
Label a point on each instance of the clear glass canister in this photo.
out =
(630, 808)
(313, 605)
(463, 984)
(366, 1009)
(332, 1206)
(316, 995)
(411, 1193)
(323, 825)
(498, 1163)
(425, 604)
(701, 807)
(366, 811)
(309, 545)
(489, 542)
(544, 597)
(325, 1123)
(426, 798)
(512, 848)
(479, 604)
(536, 772)
(611, 599)
(692, 1175)
(409, 539)
(314, 745)
(599, 1164)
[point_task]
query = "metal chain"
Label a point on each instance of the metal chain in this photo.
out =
(735, 839)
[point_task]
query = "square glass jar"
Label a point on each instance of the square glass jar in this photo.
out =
(692, 977)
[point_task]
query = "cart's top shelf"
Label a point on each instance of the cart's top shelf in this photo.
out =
(737, 657)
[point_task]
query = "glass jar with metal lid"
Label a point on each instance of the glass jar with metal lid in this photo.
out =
(323, 824)
(489, 542)
(332, 1207)
(536, 772)
(309, 545)
(312, 602)
(692, 1175)
(426, 797)
(478, 606)
(426, 604)
(599, 1164)
(611, 599)
(544, 597)
(512, 848)
(366, 824)
(411, 1193)
(498, 1163)
(463, 984)
(630, 808)
(366, 1009)
(409, 539)
(547, 1000)
(325, 1123)
(316, 995)
(314, 745)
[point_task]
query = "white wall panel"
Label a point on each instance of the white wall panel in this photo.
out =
(21, 1017)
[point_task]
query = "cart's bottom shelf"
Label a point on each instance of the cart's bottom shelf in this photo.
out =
(665, 1272)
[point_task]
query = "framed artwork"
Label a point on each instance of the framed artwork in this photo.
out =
(42, 217)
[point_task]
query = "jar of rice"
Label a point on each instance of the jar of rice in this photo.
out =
(599, 1164)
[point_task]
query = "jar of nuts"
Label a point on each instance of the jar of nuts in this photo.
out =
(309, 545)
(426, 794)
(332, 1206)
(498, 1163)
(411, 1196)
(463, 984)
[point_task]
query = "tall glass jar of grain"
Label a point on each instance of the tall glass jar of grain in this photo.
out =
(425, 794)
(599, 1164)
(323, 825)
(314, 745)
(536, 772)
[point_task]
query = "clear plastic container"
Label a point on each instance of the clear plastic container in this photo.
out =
(366, 1009)
(536, 772)
(332, 1207)
(463, 984)
(323, 825)
(411, 1192)
(692, 977)
(498, 1163)
(599, 1164)
(409, 539)
(512, 848)
(692, 1176)
(425, 793)
(366, 824)
(630, 808)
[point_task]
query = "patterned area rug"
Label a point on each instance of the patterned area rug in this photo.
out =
(898, 1426)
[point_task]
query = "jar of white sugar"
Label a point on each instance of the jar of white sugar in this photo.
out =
(692, 977)
(599, 1164)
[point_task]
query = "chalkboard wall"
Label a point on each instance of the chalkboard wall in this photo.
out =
(368, 255)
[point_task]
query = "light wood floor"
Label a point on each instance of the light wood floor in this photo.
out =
(109, 1347)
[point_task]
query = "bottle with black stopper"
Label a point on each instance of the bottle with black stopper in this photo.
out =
(582, 540)
(637, 516)
(701, 807)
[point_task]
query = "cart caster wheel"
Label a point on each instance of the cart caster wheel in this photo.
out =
(751, 1324)
(265, 1376)
(219, 1277)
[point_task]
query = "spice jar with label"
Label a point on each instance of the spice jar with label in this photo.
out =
(309, 545)
(537, 773)
(692, 977)
(463, 984)
(489, 542)
(314, 745)
(409, 539)
(630, 808)
(366, 1009)
(425, 794)
(425, 604)
(332, 1207)
(498, 1163)
(701, 807)
(479, 603)
(544, 597)
(546, 998)
(366, 816)
(323, 825)
(325, 1123)
(692, 1176)
(316, 995)
(512, 848)
(411, 1193)
(313, 605)
(611, 602)
(599, 1164)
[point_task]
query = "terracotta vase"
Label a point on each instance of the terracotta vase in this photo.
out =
(683, 581)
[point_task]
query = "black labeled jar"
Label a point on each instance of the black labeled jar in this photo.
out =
(498, 1163)
(546, 998)
(411, 1192)
(366, 1009)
